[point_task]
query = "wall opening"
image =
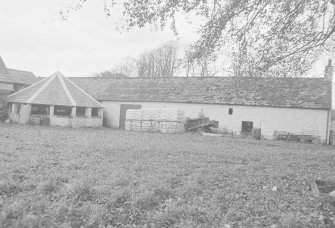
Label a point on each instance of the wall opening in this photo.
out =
(247, 127)
(9, 106)
(62, 111)
(80, 111)
(123, 113)
(40, 109)
(95, 112)
(230, 112)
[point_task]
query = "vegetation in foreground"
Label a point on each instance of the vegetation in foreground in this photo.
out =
(61, 177)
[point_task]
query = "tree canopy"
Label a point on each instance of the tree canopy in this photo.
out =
(273, 32)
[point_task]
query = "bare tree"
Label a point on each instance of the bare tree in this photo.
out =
(161, 62)
(199, 67)
(279, 31)
(110, 74)
(128, 67)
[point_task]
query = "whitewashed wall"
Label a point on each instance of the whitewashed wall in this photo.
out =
(269, 119)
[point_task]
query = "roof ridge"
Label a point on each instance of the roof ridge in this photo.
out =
(190, 78)
(20, 70)
(41, 89)
(94, 100)
(68, 94)
(22, 90)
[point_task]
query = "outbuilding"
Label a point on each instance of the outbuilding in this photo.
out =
(12, 80)
(55, 101)
(293, 106)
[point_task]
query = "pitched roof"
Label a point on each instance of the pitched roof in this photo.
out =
(54, 90)
(274, 92)
(95, 86)
(15, 76)
(4, 77)
(22, 77)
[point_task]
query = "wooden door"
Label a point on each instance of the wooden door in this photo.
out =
(123, 112)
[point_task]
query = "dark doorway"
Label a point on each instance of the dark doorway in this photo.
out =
(123, 112)
(247, 127)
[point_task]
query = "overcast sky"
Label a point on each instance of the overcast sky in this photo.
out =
(33, 38)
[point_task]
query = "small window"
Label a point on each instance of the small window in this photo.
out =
(95, 111)
(230, 112)
(62, 111)
(80, 111)
(40, 109)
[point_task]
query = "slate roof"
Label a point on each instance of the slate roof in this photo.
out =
(15, 76)
(54, 90)
(314, 93)
(22, 77)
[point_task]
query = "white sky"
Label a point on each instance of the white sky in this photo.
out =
(33, 38)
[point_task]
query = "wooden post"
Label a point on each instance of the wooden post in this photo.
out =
(88, 112)
(74, 111)
(14, 107)
(52, 110)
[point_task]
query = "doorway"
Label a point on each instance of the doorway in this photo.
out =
(247, 127)
(123, 112)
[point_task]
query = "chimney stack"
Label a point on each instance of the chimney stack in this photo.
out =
(329, 71)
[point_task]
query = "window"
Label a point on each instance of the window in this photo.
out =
(62, 111)
(80, 111)
(95, 111)
(40, 109)
(230, 112)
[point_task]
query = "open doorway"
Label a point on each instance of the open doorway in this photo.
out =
(123, 112)
(247, 127)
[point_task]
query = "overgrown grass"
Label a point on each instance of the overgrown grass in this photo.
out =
(62, 177)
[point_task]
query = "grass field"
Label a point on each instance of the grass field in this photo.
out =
(62, 177)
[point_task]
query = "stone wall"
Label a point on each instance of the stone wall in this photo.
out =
(64, 121)
(268, 119)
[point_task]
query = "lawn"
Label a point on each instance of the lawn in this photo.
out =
(62, 177)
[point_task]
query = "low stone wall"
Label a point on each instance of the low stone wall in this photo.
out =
(64, 121)
(59, 121)
(87, 122)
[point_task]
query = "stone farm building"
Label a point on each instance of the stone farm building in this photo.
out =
(295, 105)
(12, 80)
(299, 106)
(55, 101)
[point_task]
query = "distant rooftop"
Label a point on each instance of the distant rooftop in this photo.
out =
(15, 76)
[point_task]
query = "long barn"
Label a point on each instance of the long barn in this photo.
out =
(294, 105)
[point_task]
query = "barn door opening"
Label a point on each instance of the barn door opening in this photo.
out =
(123, 112)
(247, 127)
